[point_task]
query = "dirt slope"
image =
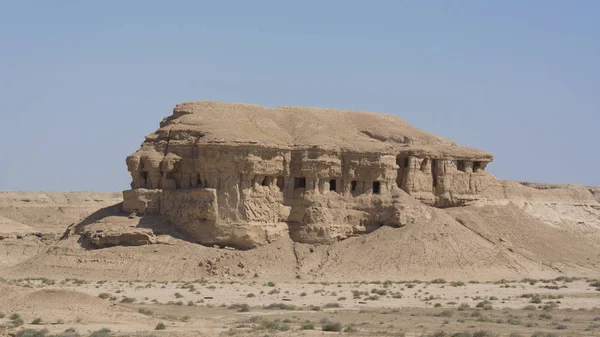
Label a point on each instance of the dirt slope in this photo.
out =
(52, 212)
(56, 304)
(486, 242)
(495, 242)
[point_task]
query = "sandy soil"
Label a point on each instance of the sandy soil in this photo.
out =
(54, 281)
(565, 307)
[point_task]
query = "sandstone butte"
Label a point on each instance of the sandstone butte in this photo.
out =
(243, 175)
(302, 192)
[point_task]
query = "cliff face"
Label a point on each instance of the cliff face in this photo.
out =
(244, 175)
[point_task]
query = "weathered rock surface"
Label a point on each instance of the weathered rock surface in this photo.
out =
(243, 175)
(108, 236)
(10, 228)
(595, 192)
(560, 206)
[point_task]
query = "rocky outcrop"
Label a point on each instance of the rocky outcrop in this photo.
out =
(243, 175)
(595, 192)
(102, 236)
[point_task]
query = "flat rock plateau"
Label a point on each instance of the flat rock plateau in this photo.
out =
(245, 220)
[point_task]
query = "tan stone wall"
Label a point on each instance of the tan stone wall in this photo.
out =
(316, 195)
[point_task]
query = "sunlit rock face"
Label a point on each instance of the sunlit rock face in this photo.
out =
(244, 175)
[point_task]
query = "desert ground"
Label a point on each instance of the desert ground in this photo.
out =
(559, 307)
(53, 284)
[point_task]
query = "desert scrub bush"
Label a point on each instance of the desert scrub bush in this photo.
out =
(350, 329)
(240, 307)
(530, 307)
(70, 332)
(514, 321)
(357, 294)
(280, 306)
(536, 299)
(483, 304)
(160, 326)
(104, 332)
(36, 321)
(16, 320)
(128, 300)
(145, 311)
(31, 333)
(178, 295)
(543, 334)
(530, 281)
(77, 282)
(463, 306)
(332, 326)
(445, 313)
(250, 295)
(274, 291)
(273, 326)
(307, 326)
(302, 294)
(315, 308)
(458, 284)
(270, 284)
(332, 305)
(462, 334)
(104, 296)
(438, 281)
(380, 292)
(484, 333)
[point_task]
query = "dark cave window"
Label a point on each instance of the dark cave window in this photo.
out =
(424, 164)
(353, 185)
(376, 187)
(299, 182)
(332, 185)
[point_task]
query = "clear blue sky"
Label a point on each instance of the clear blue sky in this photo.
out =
(82, 82)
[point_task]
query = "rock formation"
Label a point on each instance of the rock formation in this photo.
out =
(243, 175)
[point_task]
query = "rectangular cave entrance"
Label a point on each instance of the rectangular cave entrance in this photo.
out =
(376, 187)
(333, 185)
(299, 182)
(353, 185)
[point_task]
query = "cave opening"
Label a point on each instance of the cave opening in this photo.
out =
(299, 182)
(376, 187)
